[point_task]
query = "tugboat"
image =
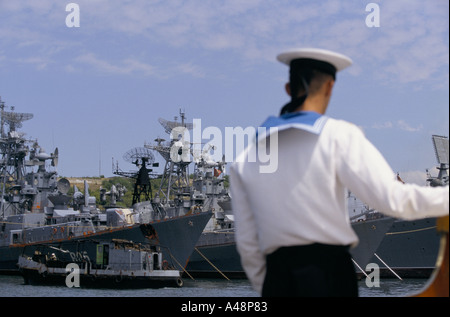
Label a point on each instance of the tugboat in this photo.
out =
(34, 207)
(117, 264)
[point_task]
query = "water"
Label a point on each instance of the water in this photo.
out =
(13, 286)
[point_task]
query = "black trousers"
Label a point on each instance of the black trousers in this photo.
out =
(316, 270)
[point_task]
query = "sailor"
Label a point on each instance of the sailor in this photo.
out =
(292, 227)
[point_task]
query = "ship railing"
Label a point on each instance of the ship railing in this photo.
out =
(218, 237)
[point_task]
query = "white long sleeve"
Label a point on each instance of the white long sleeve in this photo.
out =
(366, 173)
(254, 260)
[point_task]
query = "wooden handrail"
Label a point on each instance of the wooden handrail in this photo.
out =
(438, 286)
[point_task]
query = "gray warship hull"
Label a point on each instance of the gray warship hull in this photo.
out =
(176, 236)
(218, 248)
(410, 248)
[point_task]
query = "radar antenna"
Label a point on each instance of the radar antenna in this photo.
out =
(170, 125)
(176, 153)
(13, 146)
(440, 144)
(140, 157)
(441, 148)
(15, 119)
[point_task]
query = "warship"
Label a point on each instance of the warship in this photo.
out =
(35, 209)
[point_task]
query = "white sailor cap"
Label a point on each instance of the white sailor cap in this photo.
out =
(336, 60)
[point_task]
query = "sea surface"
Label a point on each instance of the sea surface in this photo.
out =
(13, 286)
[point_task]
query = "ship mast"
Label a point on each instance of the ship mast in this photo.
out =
(141, 157)
(13, 150)
(176, 153)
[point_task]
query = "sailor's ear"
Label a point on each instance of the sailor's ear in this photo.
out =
(287, 86)
(329, 87)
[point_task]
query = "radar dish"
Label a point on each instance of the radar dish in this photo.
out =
(63, 185)
(163, 149)
(139, 153)
(441, 148)
(170, 125)
(15, 119)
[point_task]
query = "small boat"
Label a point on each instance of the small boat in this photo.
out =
(116, 264)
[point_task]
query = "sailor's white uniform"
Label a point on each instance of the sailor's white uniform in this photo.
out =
(304, 201)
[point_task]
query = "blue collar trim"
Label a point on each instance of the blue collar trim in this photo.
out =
(309, 121)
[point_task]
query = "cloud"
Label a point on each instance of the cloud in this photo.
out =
(384, 125)
(126, 66)
(130, 66)
(402, 125)
(399, 124)
(410, 46)
(190, 68)
(412, 42)
(38, 62)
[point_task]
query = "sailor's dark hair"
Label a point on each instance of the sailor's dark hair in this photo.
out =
(301, 72)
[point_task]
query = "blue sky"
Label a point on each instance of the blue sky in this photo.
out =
(97, 90)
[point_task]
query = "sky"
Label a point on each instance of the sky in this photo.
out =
(98, 89)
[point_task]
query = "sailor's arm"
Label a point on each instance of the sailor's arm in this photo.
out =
(252, 259)
(366, 173)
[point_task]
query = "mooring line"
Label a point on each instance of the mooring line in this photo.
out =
(211, 264)
(360, 268)
(184, 270)
(388, 267)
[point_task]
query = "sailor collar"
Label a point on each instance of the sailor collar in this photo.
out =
(309, 121)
